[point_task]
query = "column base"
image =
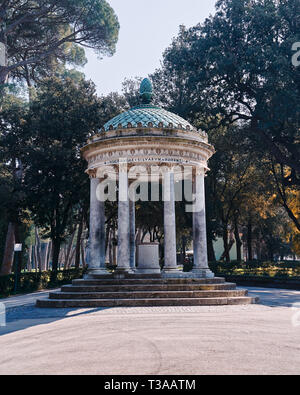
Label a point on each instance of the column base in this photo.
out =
(203, 273)
(125, 270)
(197, 273)
(171, 272)
(171, 269)
(147, 271)
(96, 272)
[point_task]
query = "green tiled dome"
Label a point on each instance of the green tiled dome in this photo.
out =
(147, 115)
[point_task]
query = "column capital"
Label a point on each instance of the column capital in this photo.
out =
(123, 165)
(199, 171)
(92, 173)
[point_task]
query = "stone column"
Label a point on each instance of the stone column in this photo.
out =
(169, 224)
(97, 231)
(132, 234)
(200, 268)
(123, 221)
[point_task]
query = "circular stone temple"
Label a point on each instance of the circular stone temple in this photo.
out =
(148, 141)
(142, 144)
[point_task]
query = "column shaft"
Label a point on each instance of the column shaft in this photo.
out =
(97, 231)
(169, 224)
(199, 228)
(123, 223)
(132, 234)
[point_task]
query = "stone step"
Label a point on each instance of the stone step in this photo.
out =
(92, 303)
(147, 295)
(147, 287)
(135, 281)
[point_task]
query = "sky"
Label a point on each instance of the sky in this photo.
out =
(147, 29)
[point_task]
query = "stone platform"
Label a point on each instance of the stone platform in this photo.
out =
(146, 290)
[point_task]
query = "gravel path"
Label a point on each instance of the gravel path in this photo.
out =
(255, 339)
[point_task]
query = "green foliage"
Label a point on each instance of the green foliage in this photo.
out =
(12, 120)
(61, 118)
(257, 268)
(42, 172)
(236, 67)
(3, 231)
(43, 34)
(31, 282)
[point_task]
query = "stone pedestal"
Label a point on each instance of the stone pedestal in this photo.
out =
(148, 254)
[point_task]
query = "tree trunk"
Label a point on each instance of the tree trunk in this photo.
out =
(3, 62)
(29, 262)
(249, 240)
(109, 247)
(78, 244)
(44, 254)
(210, 250)
(108, 244)
(8, 258)
(258, 249)
(3, 75)
(69, 251)
(238, 241)
(49, 256)
(3, 58)
(35, 259)
(115, 245)
(183, 250)
(56, 243)
(84, 264)
(38, 249)
(71, 259)
(225, 254)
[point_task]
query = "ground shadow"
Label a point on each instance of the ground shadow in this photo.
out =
(21, 318)
(274, 297)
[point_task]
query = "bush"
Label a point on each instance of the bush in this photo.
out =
(36, 281)
(285, 269)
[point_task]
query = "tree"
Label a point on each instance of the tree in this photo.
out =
(33, 32)
(12, 119)
(62, 116)
(237, 67)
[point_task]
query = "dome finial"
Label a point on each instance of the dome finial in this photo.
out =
(146, 91)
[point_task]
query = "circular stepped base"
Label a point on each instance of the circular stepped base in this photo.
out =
(145, 290)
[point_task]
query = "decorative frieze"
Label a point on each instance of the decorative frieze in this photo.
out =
(146, 155)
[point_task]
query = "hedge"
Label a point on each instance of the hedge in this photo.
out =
(285, 269)
(265, 281)
(36, 281)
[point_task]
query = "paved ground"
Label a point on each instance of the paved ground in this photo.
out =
(25, 300)
(256, 339)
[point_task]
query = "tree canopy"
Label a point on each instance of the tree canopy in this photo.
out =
(236, 68)
(35, 32)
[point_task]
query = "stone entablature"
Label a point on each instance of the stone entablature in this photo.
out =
(151, 147)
